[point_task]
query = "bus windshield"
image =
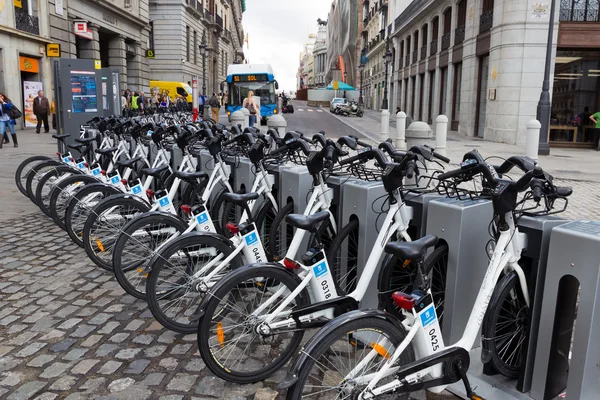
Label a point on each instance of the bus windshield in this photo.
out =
(264, 90)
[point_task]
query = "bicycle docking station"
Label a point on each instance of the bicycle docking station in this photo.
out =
(571, 302)
(490, 384)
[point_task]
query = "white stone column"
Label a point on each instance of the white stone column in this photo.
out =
(117, 58)
(385, 124)
(400, 142)
(278, 123)
(533, 139)
(246, 118)
(90, 48)
(441, 132)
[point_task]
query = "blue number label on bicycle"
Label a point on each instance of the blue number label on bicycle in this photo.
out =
(137, 189)
(115, 180)
(320, 269)
(202, 218)
(149, 133)
(67, 159)
(251, 239)
(428, 316)
(96, 171)
(163, 202)
(81, 165)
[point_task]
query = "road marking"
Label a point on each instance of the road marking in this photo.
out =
(319, 110)
(310, 110)
(300, 109)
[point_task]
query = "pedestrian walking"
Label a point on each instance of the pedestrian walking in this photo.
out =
(8, 114)
(596, 120)
(253, 107)
(141, 101)
(53, 112)
(41, 108)
(215, 106)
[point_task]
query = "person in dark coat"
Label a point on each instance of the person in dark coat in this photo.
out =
(41, 108)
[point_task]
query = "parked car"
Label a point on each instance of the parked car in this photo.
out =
(335, 102)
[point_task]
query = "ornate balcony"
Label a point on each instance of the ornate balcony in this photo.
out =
(415, 57)
(587, 14)
(459, 35)
(433, 47)
(407, 60)
(26, 22)
(446, 41)
(486, 21)
(424, 52)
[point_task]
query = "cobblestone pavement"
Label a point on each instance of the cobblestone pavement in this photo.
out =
(68, 331)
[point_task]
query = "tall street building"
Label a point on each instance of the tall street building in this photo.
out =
(342, 31)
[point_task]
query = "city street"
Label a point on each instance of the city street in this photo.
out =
(315, 119)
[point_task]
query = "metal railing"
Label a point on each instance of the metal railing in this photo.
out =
(26, 23)
(219, 20)
(579, 15)
(194, 5)
(415, 57)
(445, 41)
(486, 21)
(459, 35)
(424, 52)
(433, 47)
(407, 59)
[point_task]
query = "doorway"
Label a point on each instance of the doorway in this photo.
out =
(30, 84)
(482, 95)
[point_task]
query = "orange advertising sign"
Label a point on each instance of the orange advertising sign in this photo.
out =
(28, 64)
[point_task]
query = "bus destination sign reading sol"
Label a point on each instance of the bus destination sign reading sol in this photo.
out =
(250, 78)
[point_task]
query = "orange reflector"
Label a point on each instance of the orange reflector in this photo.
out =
(220, 334)
(380, 350)
(475, 397)
(406, 262)
(99, 244)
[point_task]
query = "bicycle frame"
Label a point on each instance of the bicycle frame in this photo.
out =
(425, 331)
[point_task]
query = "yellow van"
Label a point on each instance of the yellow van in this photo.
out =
(173, 89)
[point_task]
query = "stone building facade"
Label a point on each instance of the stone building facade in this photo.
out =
(178, 28)
(374, 24)
(479, 62)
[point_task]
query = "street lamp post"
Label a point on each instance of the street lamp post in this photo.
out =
(544, 105)
(345, 76)
(361, 67)
(386, 57)
(203, 48)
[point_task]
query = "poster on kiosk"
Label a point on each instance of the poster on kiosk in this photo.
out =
(30, 92)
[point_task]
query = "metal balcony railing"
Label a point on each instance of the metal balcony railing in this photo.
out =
(407, 60)
(26, 22)
(415, 56)
(433, 47)
(459, 35)
(486, 21)
(424, 52)
(445, 41)
(579, 15)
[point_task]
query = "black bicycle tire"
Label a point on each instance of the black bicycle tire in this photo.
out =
(58, 172)
(158, 263)
(371, 323)
(58, 215)
(106, 204)
(106, 191)
(274, 234)
(224, 208)
(131, 227)
(33, 173)
(507, 283)
(215, 211)
(265, 230)
(224, 287)
(20, 169)
(342, 235)
(438, 253)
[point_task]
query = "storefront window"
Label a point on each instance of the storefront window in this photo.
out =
(575, 96)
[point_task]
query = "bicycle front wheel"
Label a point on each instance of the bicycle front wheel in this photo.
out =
(354, 349)
(24, 169)
(230, 339)
(505, 328)
(48, 182)
(62, 193)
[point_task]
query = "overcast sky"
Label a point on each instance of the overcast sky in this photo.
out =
(278, 30)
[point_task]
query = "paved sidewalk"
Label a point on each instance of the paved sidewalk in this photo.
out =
(576, 168)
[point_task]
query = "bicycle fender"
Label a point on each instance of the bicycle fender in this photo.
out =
(303, 355)
(164, 214)
(127, 196)
(385, 263)
(199, 313)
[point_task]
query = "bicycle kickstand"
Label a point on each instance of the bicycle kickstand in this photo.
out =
(463, 376)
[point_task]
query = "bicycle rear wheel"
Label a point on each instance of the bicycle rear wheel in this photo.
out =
(47, 184)
(136, 245)
(281, 233)
(104, 224)
(36, 173)
(24, 169)
(228, 337)
(505, 328)
(357, 347)
(62, 193)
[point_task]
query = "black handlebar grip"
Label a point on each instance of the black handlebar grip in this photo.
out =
(441, 157)
(410, 169)
(350, 160)
(450, 174)
(329, 153)
(537, 190)
(280, 150)
(387, 147)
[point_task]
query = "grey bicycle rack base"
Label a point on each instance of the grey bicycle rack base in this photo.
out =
(572, 289)
(295, 183)
(463, 225)
(359, 198)
(206, 163)
(420, 205)
(243, 174)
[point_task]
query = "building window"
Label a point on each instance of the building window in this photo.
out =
(151, 36)
(431, 86)
(127, 4)
(187, 43)
(195, 47)
(579, 10)
(457, 89)
(443, 82)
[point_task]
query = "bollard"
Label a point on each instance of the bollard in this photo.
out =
(278, 123)
(237, 117)
(400, 131)
(441, 132)
(385, 124)
(246, 118)
(533, 139)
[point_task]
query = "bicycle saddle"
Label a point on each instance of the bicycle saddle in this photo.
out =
(155, 172)
(307, 222)
(85, 140)
(240, 199)
(411, 250)
(106, 151)
(61, 137)
(129, 163)
(190, 176)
